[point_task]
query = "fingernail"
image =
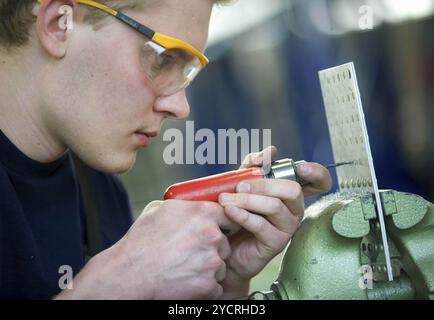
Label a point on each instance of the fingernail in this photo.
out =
(303, 169)
(243, 187)
(225, 198)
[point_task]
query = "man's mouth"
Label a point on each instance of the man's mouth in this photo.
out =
(144, 138)
(149, 134)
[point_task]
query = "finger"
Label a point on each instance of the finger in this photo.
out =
(290, 192)
(217, 292)
(224, 249)
(227, 226)
(259, 158)
(153, 204)
(149, 207)
(221, 273)
(270, 239)
(308, 191)
(209, 210)
(273, 208)
(316, 176)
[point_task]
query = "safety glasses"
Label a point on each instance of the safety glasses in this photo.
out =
(170, 64)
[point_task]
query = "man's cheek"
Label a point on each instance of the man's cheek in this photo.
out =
(137, 84)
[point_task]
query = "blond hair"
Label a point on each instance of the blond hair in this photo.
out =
(16, 18)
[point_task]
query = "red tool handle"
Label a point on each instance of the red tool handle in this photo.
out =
(209, 188)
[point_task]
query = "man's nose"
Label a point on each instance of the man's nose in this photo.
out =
(175, 106)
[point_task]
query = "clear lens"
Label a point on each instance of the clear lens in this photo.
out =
(169, 70)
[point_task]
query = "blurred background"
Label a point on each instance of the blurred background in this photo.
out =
(265, 57)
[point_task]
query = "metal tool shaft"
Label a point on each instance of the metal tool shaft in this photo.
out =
(334, 165)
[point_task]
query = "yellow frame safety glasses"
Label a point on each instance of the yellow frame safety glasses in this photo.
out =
(165, 41)
(170, 64)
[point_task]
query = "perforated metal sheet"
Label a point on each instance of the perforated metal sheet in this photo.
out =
(347, 128)
(349, 137)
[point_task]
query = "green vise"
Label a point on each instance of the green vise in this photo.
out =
(337, 253)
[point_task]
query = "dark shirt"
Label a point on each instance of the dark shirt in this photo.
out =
(42, 221)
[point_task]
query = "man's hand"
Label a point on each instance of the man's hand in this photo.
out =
(269, 211)
(174, 250)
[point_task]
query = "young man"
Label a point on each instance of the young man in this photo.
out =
(73, 76)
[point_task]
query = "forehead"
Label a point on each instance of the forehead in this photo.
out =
(187, 20)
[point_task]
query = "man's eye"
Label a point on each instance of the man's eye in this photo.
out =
(166, 60)
(160, 64)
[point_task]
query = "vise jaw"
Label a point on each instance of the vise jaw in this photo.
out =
(337, 252)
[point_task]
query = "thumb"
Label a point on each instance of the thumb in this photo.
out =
(260, 159)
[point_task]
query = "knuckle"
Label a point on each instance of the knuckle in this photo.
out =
(226, 253)
(168, 204)
(242, 199)
(206, 209)
(216, 263)
(261, 225)
(178, 206)
(276, 205)
(205, 288)
(245, 218)
(296, 191)
(221, 274)
(153, 205)
(212, 235)
(259, 186)
(217, 291)
(208, 288)
(202, 206)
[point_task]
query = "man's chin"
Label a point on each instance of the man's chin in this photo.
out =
(124, 167)
(115, 165)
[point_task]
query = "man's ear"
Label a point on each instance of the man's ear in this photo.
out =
(54, 25)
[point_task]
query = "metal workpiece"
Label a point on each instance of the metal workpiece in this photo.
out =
(337, 253)
(349, 138)
(347, 128)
